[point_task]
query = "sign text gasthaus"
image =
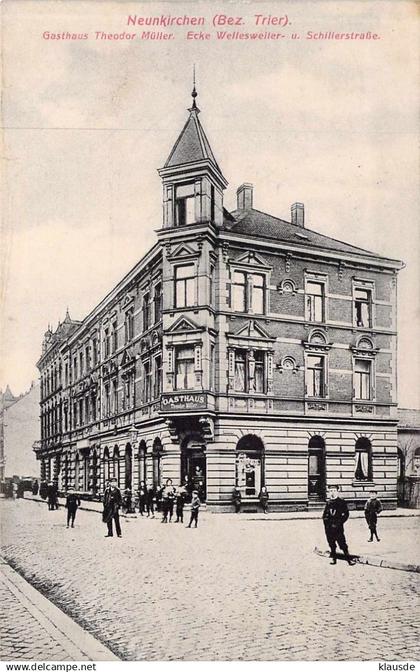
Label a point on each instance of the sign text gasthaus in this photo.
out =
(177, 401)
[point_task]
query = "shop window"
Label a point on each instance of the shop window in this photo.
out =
(248, 292)
(363, 457)
(315, 301)
(184, 286)
(184, 368)
(315, 376)
(184, 205)
(363, 307)
(250, 465)
(362, 378)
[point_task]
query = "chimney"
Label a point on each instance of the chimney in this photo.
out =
(298, 214)
(244, 195)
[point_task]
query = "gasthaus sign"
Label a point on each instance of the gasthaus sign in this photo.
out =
(178, 401)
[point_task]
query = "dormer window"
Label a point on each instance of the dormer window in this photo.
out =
(184, 205)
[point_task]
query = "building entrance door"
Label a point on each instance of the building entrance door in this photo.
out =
(194, 467)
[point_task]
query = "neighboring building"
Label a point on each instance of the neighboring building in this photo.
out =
(241, 349)
(6, 400)
(409, 457)
(409, 442)
(21, 429)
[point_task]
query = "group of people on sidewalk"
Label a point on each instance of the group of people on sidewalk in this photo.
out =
(168, 498)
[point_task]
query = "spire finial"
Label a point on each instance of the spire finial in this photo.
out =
(194, 94)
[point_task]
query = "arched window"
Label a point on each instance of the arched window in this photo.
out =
(363, 461)
(156, 455)
(128, 467)
(250, 465)
(77, 472)
(142, 468)
(94, 483)
(116, 465)
(106, 466)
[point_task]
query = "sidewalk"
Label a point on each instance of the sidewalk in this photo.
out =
(289, 515)
(32, 628)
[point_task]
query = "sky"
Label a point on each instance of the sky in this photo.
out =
(87, 123)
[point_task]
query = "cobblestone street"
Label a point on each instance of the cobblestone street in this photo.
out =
(233, 589)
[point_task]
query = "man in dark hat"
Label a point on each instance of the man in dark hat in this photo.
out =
(335, 514)
(112, 503)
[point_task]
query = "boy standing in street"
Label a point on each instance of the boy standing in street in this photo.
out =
(373, 508)
(335, 514)
(195, 508)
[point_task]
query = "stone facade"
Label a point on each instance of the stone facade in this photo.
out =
(242, 349)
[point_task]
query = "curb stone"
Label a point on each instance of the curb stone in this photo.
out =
(375, 562)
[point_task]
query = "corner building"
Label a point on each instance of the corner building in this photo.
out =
(242, 349)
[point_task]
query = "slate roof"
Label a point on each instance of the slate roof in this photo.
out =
(192, 144)
(260, 224)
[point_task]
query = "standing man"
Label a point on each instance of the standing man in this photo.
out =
(236, 499)
(72, 504)
(150, 494)
(112, 503)
(373, 508)
(51, 496)
(335, 514)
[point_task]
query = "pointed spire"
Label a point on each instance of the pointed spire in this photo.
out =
(194, 95)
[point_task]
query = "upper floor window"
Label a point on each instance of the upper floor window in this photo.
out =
(363, 307)
(158, 377)
(250, 374)
(114, 336)
(87, 357)
(74, 368)
(94, 351)
(129, 325)
(147, 382)
(158, 302)
(315, 376)
(146, 311)
(362, 378)
(184, 286)
(107, 342)
(248, 292)
(184, 204)
(107, 391)
(81, 364)
(184, 368)
(315, 301)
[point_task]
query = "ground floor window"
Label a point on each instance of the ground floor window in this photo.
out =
(363, 460)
